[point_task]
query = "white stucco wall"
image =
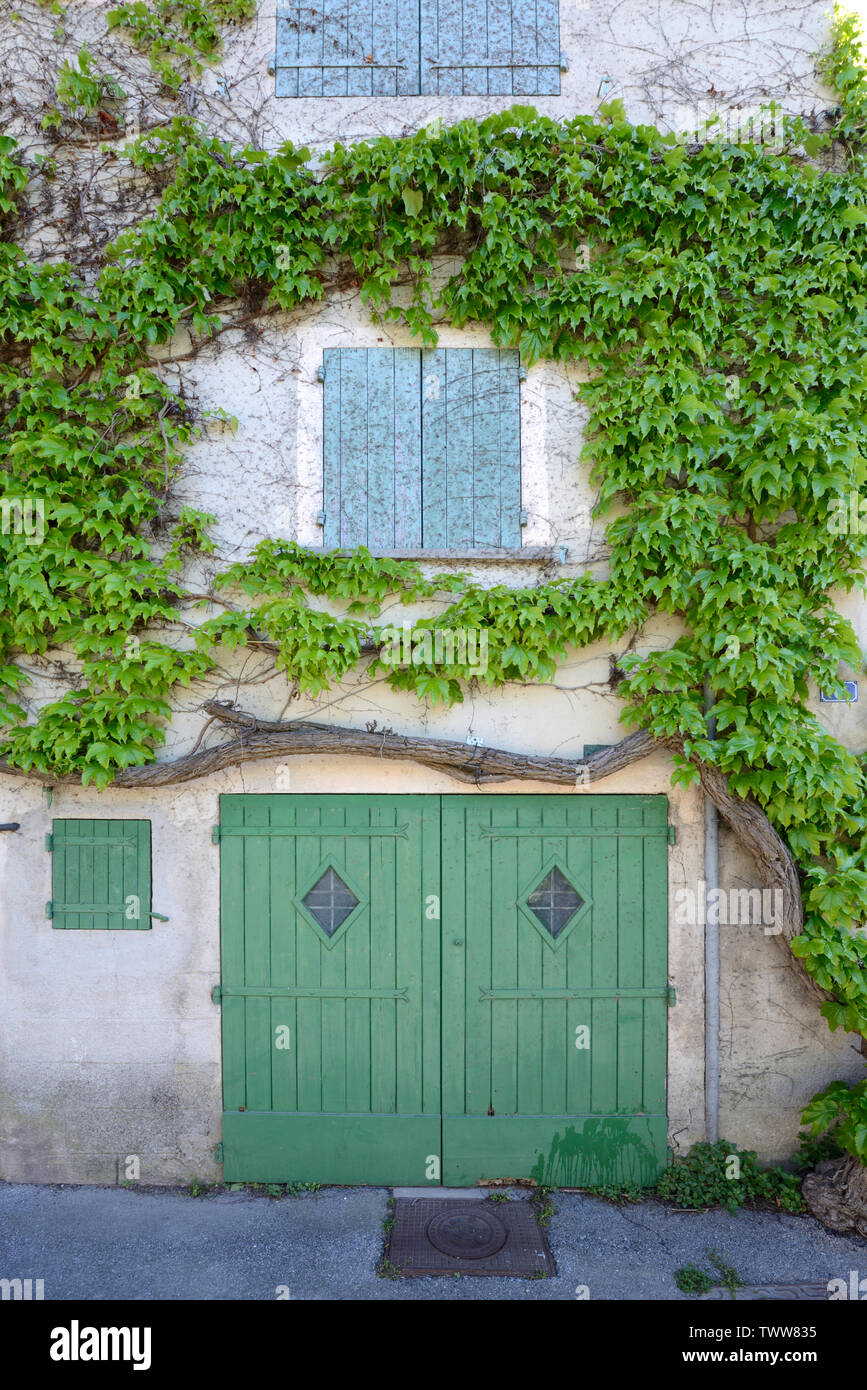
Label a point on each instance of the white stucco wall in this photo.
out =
(110, 1044)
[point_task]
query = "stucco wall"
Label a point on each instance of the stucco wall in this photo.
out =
(109, 1041)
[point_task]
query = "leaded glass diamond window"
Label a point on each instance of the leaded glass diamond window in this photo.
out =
(554, 902)
(330, 902)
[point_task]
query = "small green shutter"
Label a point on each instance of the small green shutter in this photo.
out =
(490, 47)
(336, 49)
(101, 874)
(422, 449)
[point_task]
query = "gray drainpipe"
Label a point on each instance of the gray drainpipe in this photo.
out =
(711, 955)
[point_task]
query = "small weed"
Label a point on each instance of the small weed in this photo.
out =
(386, 1270)
(501, 1196)
(542, 1205)
(201, 1189)
(691, 1279)
(388, 1224)
(729, 1277)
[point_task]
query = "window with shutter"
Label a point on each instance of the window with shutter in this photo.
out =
(422, 448)
(101, 875)
(413, 47)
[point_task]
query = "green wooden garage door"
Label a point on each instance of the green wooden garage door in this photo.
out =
(424, 989)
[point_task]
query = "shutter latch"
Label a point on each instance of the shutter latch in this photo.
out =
(217, 994)
(217, 1152)
(671, 996)
(215, 835)
(672, 835)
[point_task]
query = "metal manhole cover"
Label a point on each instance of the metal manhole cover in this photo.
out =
(467, 1235)
(442, 1236)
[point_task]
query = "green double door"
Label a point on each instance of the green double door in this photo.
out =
(443, 989)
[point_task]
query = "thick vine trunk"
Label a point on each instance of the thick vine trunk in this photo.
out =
(837, 1194)
(257, 739)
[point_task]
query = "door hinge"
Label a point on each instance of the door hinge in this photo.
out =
(672, 835)
(671, 995)
(49, 911)
(217, 994)
(215, 835)
(49, 843)
(217, 1152)
(320, 372)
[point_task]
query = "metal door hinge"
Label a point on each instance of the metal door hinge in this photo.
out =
(49, 911)
(215, 835)
(320, 373)
(320, 518)
(217, 994)
(672, 835)
(522, 373)
(671, 995)
(272, 63)
(522, 518)
(564, 62)
(159, 917)
(217, 1152)
(49, 843)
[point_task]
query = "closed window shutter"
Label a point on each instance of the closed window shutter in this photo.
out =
(338, 48)
(422, 449)
(372, 448)
(471, 448)
(490, 47)
(101, 874)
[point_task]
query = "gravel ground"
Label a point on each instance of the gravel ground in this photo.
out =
(110, 1243)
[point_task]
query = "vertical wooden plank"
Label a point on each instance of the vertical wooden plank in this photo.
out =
(450, 33)
(526, 859)
(509, 432)
(331, 447)
(428, 47)
(434, 449)
(459, 447)
(383, 952)
(407, 447)
(358, 1011)
(86, 868)
(494, 865)
(555, 1012)
(284, 1085)
(408, 42)
(359, 23)
(630, 917)
(384, 47)
(308, 955)
(525, 75)
(286, 52)
(116, 857)
(486, 446)
(256, 957)
(408, 875)
(548, 47)
(353, 446)
(232, 954)
(310, 48)
(579, 965)
(655, 900)
(454, 928)
(351, 859)
(381, 501)
(478, 951)
(500, 47)
(430, 998)
(474, 44)
(335, 21)
(144, 872)
(603, 1050)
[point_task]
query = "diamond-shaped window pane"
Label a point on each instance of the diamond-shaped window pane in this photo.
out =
(554, 902)
(330, 902)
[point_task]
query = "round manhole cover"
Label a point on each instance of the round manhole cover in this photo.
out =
(467, 1235)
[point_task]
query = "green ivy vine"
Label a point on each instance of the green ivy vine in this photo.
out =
(723, 316)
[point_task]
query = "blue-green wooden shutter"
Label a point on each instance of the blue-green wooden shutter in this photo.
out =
(372, 448)
(422, 449)
(471, 448)
(339, 48)
(101, 874)
(490, 47)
